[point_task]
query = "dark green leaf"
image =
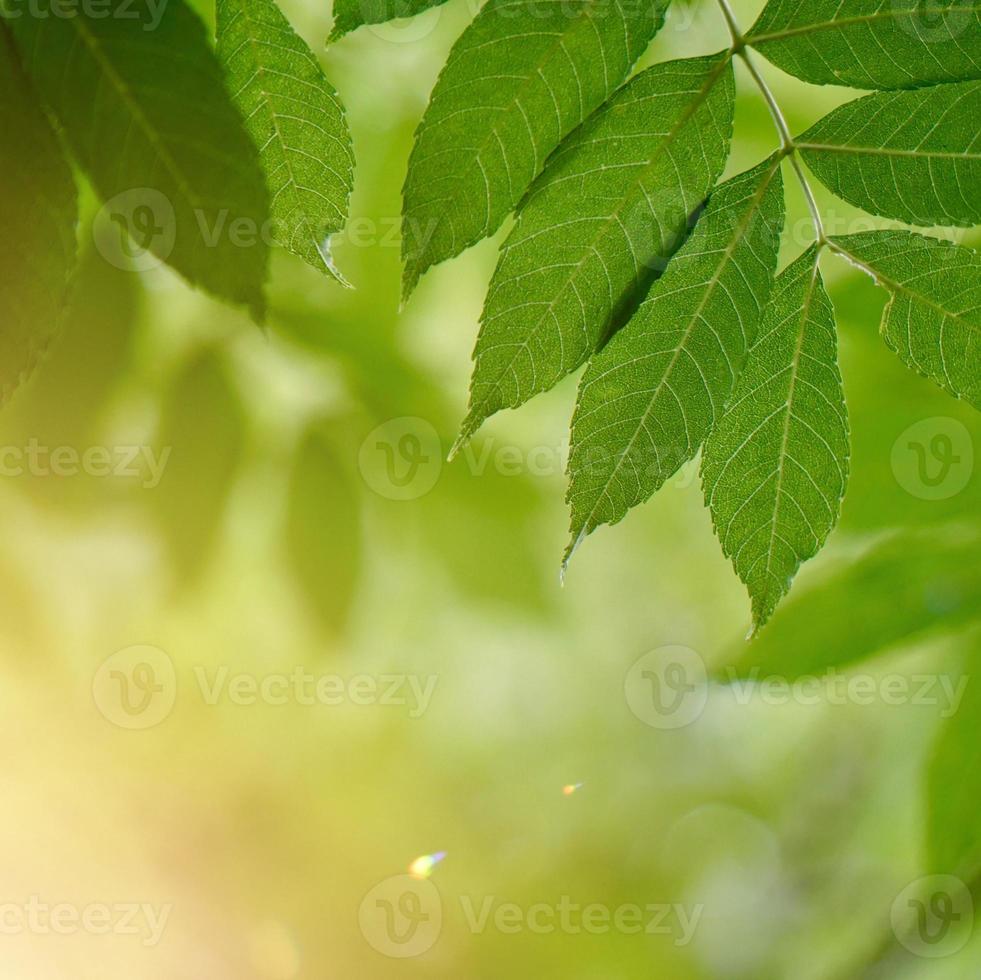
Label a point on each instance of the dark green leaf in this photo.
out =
(912, 156)
(142, 101)
(37, 225)
(886, 44)
(351, 14)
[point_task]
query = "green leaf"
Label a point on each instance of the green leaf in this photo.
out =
(199, 447)
(954, 784)
(609, 210)
(323, 531)
(352, 14)
(912, 156)
(295, 118)
(141, 98)
(933, 321)
(519, 79)
(37, 225)
(775, 467)
(650, 397)
(879, 44)
(902, 589)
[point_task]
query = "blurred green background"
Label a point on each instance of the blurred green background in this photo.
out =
(305, 519)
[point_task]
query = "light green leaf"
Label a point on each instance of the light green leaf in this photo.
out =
(141, 98)
(37, 225)
(954, 782)
(933, 321)
(650, 397)
(199, 447)
(775, 467)
(518, 80)
(323, 532)
(296, 120)
(352, 14)
(912, 156)
(881, 44)
(609, 210)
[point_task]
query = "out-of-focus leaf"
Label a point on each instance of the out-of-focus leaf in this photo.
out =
(912, 156)
(199, 446)
(296, 119)
(142, 101)
(37, 224)
(934, 320)
(901, 589)
(885, 44)
(323, 531)
(610, 209)
(954, 783)
(519, 79)
(776, 465)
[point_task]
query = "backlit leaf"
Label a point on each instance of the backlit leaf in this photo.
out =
(609, 210)
(519, 79)
(295, 119)
(775, 467)
(933, 321)
(649, 398)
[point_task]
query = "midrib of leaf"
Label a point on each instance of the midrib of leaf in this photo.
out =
(898, 288)
(886, 151)
(788, 411)
(280, 139)
(475, 414)
(828, 25)
(126, 96)
(690, 326)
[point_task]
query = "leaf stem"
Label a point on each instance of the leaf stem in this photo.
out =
(787, 145)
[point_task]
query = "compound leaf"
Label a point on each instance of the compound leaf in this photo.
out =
(37, 225)
(296, 120)
(775, 467)
(519, 79)
(912, 156)
(141, 98)
(650, 397)
(876, 44)
(609, 210)
(933, 321)
(352, 14)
